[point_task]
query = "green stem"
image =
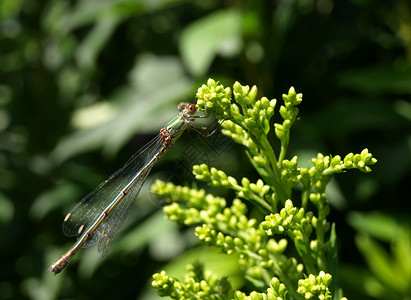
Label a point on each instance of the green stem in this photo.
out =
(305, 196)
(253, 196)
(279, 188)
(284, 145)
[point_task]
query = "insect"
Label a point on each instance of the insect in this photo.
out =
(99, 216)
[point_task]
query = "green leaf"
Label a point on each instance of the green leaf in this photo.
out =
(363, 284)
(89, 49)
(381, 264)
(332, 263)
(217, 33)
(402, 251)
(378, 225)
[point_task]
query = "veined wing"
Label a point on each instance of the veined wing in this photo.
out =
(86, 211)
(116, 219)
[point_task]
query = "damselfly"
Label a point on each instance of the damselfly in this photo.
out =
(99, 216)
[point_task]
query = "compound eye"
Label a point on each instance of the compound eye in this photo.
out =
(191, 108)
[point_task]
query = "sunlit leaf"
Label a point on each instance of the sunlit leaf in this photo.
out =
(218, 33)
(88, 50)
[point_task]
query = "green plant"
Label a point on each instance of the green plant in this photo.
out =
(388, 275)
(275, 270)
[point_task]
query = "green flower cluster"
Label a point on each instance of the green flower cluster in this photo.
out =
(316, 287)
(248, 123)
(258, 192)
(197, 284)
(290, 219)
(261, 244)
(229, 229)
(193, 206)
(276, 291)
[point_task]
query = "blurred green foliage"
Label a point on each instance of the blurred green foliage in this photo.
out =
(84, 83)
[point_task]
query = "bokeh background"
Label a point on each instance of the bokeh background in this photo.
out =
(85, 83)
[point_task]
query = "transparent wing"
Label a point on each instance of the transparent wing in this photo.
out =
(116, 219)
(86, 211)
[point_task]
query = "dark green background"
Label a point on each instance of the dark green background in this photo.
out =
(84, 84)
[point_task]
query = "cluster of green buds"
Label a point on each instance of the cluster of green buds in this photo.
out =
(316, 287)
(229, 229)
(276, 291)
(197, 284)
(261, 242)
(258, 192)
